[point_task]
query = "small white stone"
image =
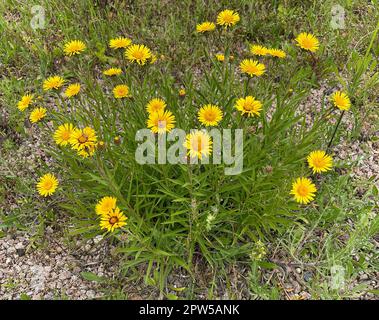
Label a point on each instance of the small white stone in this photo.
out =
(19, 246)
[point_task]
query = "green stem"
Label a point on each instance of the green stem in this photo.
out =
(335, 130)
(247, 85)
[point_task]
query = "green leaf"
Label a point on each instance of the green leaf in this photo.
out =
(90, 276)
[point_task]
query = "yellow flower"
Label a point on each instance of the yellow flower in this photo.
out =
(198, 144)
(307, 41)
(220, 57)
(341, 100)
(205, 27)
(113, 220)
(54, 82)
(277, 53)
(319, 161)
(83, 139)
(138, 53)
(258, 50)
(112, 72)
(182, 92)
(37, 114)
(25, 101)
(210, 115)
(121, 91)
(101, 145)
(303, 190)
(105, 205)
(74, 47)
(120, 42)
(72, 90)
(155, 105)
(249, 105)
(88, 151)
(227, 18)
(47, 185)
(161, 121)
(154, 58)
(63, 134)
(252, 67)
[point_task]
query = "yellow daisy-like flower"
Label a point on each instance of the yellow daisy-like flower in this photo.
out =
(210, 115)
(37, 114)
(119, 43)
(341, 100)
(161, 121)
(113, 220)
(277, 53)
(249, 106)
(47, 185)
(303, 190)
(83, 139)
(88, 151)
(25, 101)
(155, 105)
(72, 90)
(258, 50)
(205, 27)
(227, 18)
(121, 91)
(74, 47)
(319, 161)
(112, 72)
(105, 205)
(63, 134)
(153, 59)
(182, 92)
(198, 144)
(252, 67)
(307, 41)
(220, 57)
(54, 82)
(138, 53)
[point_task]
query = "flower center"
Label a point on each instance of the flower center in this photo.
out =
(228, 18)
(307, 43)
(156, 107)
(210, 116)
(318, 162)
(83, 138)
(47, 185)
(66, 135)
(248, 106)
(198, 144)
(113, 220)
(302, 191)
(161, 123)
(339, 101)
(138, 55)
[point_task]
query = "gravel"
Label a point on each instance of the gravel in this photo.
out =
(53, 271)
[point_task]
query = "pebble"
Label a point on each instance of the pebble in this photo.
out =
(19, 246)
(363, 277)
(44, 274)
